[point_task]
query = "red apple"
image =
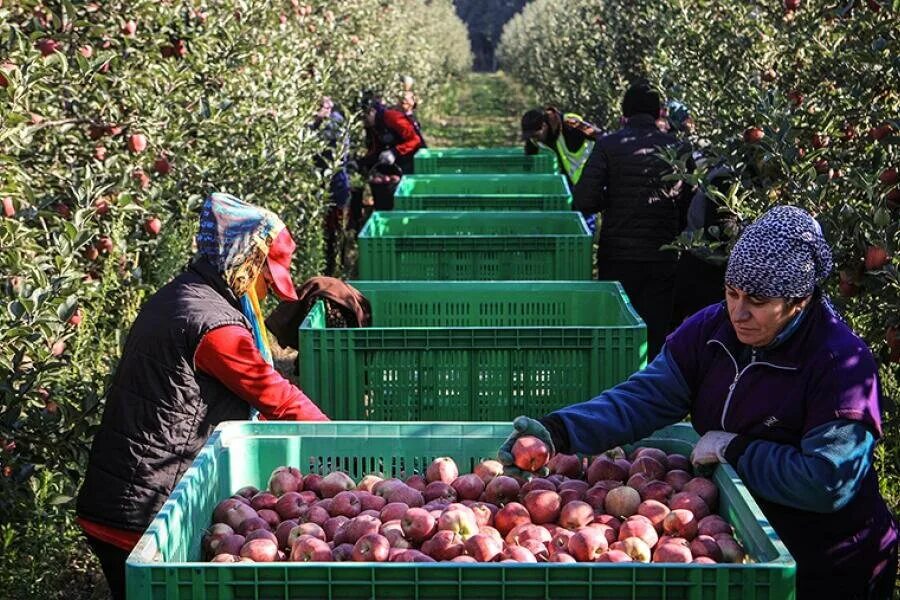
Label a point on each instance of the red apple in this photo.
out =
(753, 135)
(345, 504)
(606, 468)
(517, 554)
(137, 143)
(418, 525)
(252, 524)
(357, 527)
(291, 506)
(393, 511)
(712, 525)
(560, 542)
(691, 502)
(47, 46)
(310, 549)
(468, 487)
(483, 548)
(371, 548)
(213, 536)
(459, 519)
(654, 510)
(543, 505)
(587, 544)
(311, 482)
(445, 545)
(367, 483)
(636, 548)
(484, 513)
(442, 469)
(704, 488)
(530, 453)
(260, 550)
(438, 490)
(334, 483)
(501, 489)
(417, 482)
(162, 165)
(236, 514)
(677, 478)
(681, 523)
(674, 553)
(153, 226)
(488, 469)
(510, 516)
(640, 527)
(876, 257)
(705, 545)
(612, 556)
(731, 550)
(575, 515)
(566, 464)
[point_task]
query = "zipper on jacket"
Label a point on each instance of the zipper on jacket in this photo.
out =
(738, 372)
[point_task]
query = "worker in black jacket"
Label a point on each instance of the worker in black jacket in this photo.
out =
(623, 180)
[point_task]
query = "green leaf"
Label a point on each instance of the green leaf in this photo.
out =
(16, 310)
(67, 308)
(60, 499)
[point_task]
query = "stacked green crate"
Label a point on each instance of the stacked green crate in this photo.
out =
(471, 351)
(483, 192)
(450, 161)
(427, 245)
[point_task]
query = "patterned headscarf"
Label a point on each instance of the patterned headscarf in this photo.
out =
(235, 237)
(783, 254)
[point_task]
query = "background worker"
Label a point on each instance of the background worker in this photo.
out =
(623, 180)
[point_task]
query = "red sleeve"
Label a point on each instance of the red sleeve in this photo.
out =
(399, 124)
(229, 354)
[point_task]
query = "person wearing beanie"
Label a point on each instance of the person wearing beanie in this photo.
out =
(567, 135)
(623, 180)
(778, 386)
(197, 355)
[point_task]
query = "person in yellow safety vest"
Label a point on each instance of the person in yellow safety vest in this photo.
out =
(568, 135)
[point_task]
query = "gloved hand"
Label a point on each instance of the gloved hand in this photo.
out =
(711, 448)
(387, 157)
(523, 426)
(591, 221)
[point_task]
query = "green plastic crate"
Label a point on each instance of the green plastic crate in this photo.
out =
(162, 565)
(478, 351)
(448, 161)
(483, 192)
(423, 245)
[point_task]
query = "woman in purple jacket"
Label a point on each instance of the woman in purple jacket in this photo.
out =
(779, 387)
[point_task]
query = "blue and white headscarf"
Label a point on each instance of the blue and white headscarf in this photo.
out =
(783, 254)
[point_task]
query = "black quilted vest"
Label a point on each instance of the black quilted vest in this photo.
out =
(642, 210)
(159, 409)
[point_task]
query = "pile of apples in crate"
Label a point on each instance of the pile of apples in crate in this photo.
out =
(647, 507)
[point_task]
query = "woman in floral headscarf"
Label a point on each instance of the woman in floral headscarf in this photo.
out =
(197, 355)
(780, 388)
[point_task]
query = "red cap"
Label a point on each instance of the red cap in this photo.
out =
(279, 262)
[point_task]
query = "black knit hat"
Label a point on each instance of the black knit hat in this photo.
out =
(641, 98)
